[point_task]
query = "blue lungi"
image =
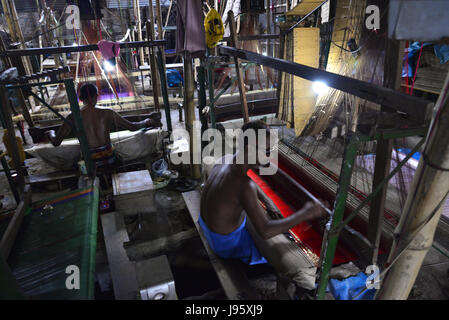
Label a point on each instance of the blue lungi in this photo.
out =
(237, 245)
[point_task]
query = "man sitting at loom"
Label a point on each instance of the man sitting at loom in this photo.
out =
(228, 192)
(98, 122)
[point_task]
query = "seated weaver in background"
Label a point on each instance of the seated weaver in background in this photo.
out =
(98, 122)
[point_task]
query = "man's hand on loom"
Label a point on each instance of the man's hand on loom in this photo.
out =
(50, 135)
(152, 123)
(314, 210)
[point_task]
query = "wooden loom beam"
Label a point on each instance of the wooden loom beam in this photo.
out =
(416, 107)
(82, 48)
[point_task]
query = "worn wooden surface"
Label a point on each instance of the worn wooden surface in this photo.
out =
(123, 272)
(232, 279)
(11, 232)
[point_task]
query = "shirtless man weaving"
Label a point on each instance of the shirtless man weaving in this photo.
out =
(227, 193)
(98, 122)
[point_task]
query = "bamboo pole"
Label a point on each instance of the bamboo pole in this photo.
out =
(19, 34)
(154, 78)
(422, 210)
(22, 100)
(268, 13)
(160, 34)
(139, 29)
(8, 19)
(238, 70)
(168, 16)
(189, 110)
(11, 136)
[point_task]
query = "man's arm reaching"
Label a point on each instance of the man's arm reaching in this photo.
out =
(269, 228)
(64, 130)
(134, 126)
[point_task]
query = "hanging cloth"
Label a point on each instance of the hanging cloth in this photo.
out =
(190, 35)
(109, 49)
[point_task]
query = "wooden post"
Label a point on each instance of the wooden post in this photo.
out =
(189, 110)
(139, 29)
(160, 34)
(268, 13)
(392, 77)
(154, 77)
(423, 207)
(22, 101)
(15, 155)
(168, 16)
(238, 70)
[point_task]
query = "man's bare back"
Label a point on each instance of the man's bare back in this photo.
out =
(98, 122)
(221, 208)
(229, 191)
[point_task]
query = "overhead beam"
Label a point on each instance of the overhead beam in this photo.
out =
(83, 48)
(415, 107)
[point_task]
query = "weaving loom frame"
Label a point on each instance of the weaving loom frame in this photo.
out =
(417, 108)
(336, 222)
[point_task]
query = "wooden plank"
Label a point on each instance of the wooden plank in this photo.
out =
(307, 52)
(10, 234)
(123, 272)
(148, 249)
(232, 279)
(304, 7)
(50, 177)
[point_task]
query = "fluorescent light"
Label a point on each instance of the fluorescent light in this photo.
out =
(319, 87)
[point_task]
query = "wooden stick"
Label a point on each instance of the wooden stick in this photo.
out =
(139, 30)
(238, 70)
(154, 77)
(11, 136)
(12, 230)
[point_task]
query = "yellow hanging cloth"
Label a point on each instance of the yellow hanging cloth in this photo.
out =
(214, 28)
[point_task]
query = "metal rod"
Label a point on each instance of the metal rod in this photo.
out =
(164, 89)
(82, 48)
(210, 70)
(299, 186)
(202, 100)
